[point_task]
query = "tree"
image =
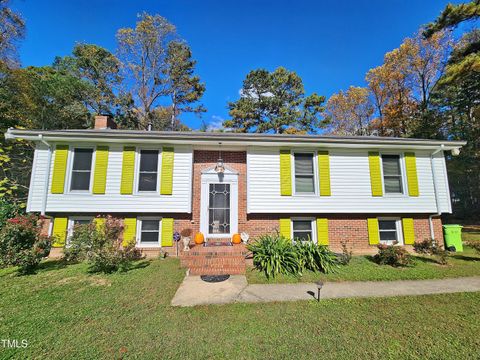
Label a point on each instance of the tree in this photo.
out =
(275, 102)
(99, 68)
(157, 65)
(456, 100)
(453, 15)
(35, 98)
(12, 29)
(401, 87)
(183, 87)
(377, 84)
(349, 112)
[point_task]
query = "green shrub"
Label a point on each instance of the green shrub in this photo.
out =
(80, 243)
(315, 257)
(346, 256)
(101, 247)
(392, 255)
(430, 247)
(8, 210)
(274, 254)
(426, 246)
(22, 244)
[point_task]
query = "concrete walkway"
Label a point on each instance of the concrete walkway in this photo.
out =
(193, 291)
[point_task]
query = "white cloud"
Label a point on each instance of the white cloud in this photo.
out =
(216, 123)
(253, 94)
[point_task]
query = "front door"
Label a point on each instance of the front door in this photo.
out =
(218, 209)
(219, 205)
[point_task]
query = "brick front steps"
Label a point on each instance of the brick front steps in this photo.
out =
(215, 260)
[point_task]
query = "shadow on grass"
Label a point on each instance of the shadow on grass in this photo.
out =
(372, 259)
(464, 257)
(425, 259)
(50, 265)
(139, 264)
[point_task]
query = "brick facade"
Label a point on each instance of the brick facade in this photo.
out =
(347, 227)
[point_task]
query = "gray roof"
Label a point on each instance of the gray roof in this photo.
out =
(219, 137)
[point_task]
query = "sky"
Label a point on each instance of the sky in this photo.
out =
(330, 44)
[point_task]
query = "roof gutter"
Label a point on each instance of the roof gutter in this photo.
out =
(47, 177)
(231, 139)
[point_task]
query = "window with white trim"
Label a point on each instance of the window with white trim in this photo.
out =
(149, 232)
(304, 173)
(392, 174)
(73, 222)
(81, 169)
(148, 170)
(389, 231)
(302, 230)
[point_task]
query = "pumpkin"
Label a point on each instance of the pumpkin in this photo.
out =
(199, 238)
(236, 239)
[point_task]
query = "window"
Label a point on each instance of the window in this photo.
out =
(304, 173)
(150, 232)
(75, 221)
(388, 231)
(302, 230)
(392, 174)
(81, 169)
(147, 179)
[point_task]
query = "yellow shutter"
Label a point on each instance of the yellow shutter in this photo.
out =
(167, 232)
(59, 231)
(412, 178)
(128, 170)
(322, 231)
(375, 173)
(285, 228)
(166, 182)
(101, 165)
(285, 173)
(324, 173)
(408, 231)
(129, 231)
(373, 234)
(59, 169)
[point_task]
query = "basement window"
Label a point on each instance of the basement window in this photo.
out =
(389, 230)
(73, 222)
(302, 230)
(149, 232)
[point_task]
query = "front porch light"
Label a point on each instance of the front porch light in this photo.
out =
(220, 167)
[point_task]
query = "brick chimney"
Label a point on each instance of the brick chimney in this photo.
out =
(104, 122)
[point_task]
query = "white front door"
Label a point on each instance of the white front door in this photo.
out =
(219, 204)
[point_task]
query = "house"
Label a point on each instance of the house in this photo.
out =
(363, 190)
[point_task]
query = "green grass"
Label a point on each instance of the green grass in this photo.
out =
(361, 268)
(471, 233)
(65, 313)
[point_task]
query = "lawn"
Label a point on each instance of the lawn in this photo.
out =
(65, 313)
(362, 268)
(471, 233)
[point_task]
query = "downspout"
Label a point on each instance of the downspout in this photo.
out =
(435, 191)
(47, 177)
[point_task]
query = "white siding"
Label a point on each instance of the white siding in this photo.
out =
(350, 185)
(112, 201)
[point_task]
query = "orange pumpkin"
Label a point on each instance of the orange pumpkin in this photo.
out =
(236, 239)
(199, 239)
